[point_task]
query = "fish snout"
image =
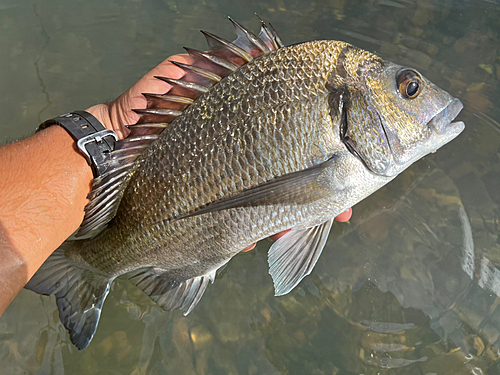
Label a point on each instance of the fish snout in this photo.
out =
(442, 122)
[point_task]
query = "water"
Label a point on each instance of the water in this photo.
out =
(409, 286)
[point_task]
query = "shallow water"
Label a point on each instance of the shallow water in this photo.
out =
(409, 286)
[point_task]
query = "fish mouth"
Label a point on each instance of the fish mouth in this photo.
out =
(442, 122)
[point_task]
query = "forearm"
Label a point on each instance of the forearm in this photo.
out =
(44, 184)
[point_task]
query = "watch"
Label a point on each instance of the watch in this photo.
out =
(93, 140)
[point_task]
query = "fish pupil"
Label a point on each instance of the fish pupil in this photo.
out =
(412, 89)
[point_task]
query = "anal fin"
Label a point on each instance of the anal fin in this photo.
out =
(168, 291)
(293, 256)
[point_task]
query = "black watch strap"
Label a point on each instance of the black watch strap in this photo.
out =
(92, 138)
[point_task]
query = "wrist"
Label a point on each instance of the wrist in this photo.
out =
(102, 113)
(111, 117)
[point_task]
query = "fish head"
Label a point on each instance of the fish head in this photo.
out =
(394, 116)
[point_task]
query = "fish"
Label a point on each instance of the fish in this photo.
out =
(256, 138)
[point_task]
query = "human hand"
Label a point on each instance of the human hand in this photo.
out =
(119, 113)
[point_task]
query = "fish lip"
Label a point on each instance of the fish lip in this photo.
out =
(442, 122)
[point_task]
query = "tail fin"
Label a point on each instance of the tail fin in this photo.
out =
(80, 292)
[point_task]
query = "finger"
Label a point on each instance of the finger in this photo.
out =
(133, 98)
(277, 236)
(251, 247)
(149, 84)
(167, 69)
(344, 216)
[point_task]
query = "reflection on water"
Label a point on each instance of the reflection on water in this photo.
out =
(489, 278)
(410, 286)
(420, 288)
(468, 249)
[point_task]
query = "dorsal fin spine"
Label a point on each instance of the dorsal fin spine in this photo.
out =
(217, 42)
(212, 58)
(149, 125)
(184, 84)
(172, 98)
(202, 72)
(132, 148)
(267, 36)
(158, 111)
(249, 36)
(276, 37)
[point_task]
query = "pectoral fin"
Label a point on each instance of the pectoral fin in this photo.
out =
(294, 256)
(298, 187)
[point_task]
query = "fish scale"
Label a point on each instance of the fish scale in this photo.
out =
(234, 153)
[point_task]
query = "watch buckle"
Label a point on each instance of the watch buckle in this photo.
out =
(97, 138)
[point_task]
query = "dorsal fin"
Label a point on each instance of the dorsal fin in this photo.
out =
(248, 41)
(269, 36)
(205, 70)
(276, 37)
(226, 50)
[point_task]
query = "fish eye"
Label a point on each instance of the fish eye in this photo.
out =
(409, 83)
